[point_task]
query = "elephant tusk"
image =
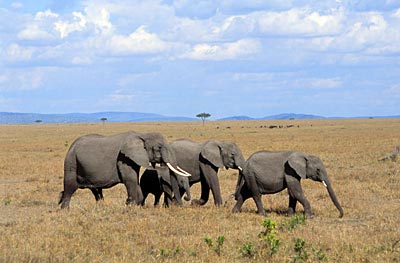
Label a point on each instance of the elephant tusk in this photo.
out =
(323, 182)
(240, 168)
(183, 171)
(178, 172)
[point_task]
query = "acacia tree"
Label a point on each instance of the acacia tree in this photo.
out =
(203, 116)
(103, 120)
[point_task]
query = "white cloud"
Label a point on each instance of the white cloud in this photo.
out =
(34, 32)
(39, 28)
(396, 13)
(138, 42)
(234, 26)
(17, 5)
(81, 60)
(22, 79)
(300, 22)
(100, 18)
(46, 14)
(225, 51)
(118, 98)
(15, 52)
(393, 91)
(325, 83)
(66, 28)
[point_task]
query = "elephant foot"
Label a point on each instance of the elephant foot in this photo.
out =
(263, 213)
(236, 210)
(198, 202)
(291, 212)
(309, 215)
(130, 201)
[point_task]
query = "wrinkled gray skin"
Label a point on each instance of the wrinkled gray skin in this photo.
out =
(158, 181)
(271, 172)
(202, 160)
(96, 162)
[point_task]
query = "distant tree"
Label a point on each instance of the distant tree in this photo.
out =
(103, 120)
(203, 116)
(38, 121)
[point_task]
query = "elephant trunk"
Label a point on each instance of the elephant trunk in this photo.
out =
(187, 190)
(328, 186)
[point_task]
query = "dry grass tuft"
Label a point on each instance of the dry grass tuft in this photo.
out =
(34, 229)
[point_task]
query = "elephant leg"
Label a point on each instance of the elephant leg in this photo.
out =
(157, 197)
(296, 193)
(211, 179)
(242, 194)
(167, 200)
(145, 194)
(292, 205)
(98, 193)
(205, 193)
(70, 186)
(129, 178)
(255, 193)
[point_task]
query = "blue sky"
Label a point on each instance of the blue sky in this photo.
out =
(180, 58)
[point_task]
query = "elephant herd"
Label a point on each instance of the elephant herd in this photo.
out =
(95, 161)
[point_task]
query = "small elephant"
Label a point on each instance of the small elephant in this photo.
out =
(94, 161)
(158, 181)
(271, 172)
(202, 160)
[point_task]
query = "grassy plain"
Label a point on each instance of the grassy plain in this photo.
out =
(34, 229)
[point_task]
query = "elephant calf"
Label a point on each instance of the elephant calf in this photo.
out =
(271, 172)
(158, 181)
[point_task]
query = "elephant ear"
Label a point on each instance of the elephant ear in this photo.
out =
(298, 162)
(211, 151)
(133, 148)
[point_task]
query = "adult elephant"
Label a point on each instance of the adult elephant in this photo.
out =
(271, 172)
(94, 161)
(157, 181)
(202, 160)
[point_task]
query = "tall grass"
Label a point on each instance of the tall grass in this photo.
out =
(34, 229)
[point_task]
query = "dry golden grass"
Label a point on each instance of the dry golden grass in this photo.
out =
(34, 229)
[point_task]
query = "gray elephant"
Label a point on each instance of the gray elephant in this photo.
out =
(202, 160)
(158, 181)
(271, 172)
(94, 161)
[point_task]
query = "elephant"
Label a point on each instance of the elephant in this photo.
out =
(158, 181)
(267, 172)
(202, 160)
(95, 161)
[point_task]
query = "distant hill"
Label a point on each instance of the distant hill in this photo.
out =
(289, 116)
(237, 118)
(28, 118)
(283, 116)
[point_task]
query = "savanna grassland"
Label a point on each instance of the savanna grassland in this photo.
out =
(34, 229)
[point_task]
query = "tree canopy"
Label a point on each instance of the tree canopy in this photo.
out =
(203, 116)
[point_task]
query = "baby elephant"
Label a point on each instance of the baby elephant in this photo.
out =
(271, 172)
(158, 181)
